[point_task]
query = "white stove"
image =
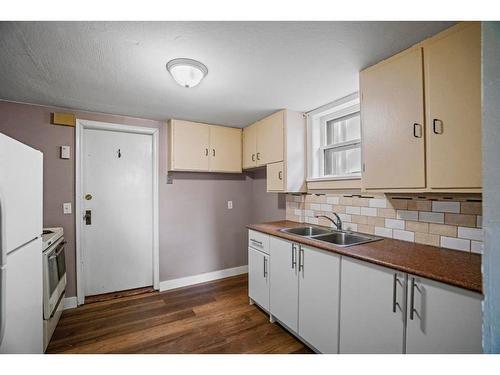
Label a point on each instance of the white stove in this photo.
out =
(54, 279)
(50, 236)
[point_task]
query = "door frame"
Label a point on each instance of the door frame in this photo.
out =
(81, 125)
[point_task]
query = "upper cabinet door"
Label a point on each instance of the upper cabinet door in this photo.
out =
(250, 146)
(392, 116)
(189, 146)
(225, 149)
(274, 177)
(270, 139)
(453, 105)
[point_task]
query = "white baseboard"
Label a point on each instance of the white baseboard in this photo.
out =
(202, 278)
(69, 303)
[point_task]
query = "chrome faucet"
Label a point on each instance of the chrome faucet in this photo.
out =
(337, 224)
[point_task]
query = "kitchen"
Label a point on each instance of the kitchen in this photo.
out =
(355, 215)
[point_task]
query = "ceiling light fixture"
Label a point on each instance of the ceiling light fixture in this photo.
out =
(187, 72)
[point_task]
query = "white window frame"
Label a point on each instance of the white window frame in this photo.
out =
(316, 137)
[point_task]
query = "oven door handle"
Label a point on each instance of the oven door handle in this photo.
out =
(58, 250)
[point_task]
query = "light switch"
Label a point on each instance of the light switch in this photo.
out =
(229, 205)
(65, 152)
(67, 208)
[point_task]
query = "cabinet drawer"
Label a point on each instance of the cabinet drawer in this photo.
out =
(258, 241)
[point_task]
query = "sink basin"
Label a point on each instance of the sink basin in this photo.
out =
(333, 236)
(308, 231)
(344, 239)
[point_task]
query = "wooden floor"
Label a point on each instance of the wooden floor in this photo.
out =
(213, 317)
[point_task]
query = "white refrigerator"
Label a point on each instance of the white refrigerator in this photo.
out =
(21, 184)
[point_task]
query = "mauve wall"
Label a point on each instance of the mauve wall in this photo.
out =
(197, 232)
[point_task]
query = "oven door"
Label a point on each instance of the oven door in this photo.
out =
(55, 277)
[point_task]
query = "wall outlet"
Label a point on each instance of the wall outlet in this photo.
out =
(66, 208)
(229, 205)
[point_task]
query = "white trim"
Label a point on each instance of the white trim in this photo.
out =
(87, 124)
(202, 278)
(69, 303)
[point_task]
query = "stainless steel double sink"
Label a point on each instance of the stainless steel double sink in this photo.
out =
(335, 237)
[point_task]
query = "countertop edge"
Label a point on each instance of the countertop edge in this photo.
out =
(341, 251)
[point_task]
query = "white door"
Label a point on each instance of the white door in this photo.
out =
(319, 289)
(372, 309)
(445, 319)
(118, 242)
(258, 277)
(284, 295)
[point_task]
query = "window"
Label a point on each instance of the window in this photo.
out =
(334, 134)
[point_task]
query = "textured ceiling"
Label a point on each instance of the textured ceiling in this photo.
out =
(255, 68)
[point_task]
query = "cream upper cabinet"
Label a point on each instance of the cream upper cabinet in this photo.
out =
(250, 146)
(188, 146)
(452, 64)
(279, 143)
(392, 115)
(270, 137)
(402, 151)
(274, 176)
(225, 149)
(203, 148)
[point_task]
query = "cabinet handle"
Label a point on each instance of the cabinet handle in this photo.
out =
(258, 155)
(253, 157)
(412, 297)
(434, 127)
(394, 293)
(206, 152)
(415, 127)
(294, 262)
(213, 152)
(280, 175)
(265, 267)
(301, 259)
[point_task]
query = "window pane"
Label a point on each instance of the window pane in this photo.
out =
(342, 162)
(343, 129)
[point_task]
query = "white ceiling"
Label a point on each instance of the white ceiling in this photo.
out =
(255, 68)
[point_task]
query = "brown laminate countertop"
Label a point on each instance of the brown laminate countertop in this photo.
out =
(458, 268)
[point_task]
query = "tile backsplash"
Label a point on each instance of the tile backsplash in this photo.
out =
(448, 221)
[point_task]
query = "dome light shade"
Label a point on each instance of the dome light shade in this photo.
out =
(187, 72)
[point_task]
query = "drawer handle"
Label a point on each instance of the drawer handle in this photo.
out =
(256, 242)
(435, 128)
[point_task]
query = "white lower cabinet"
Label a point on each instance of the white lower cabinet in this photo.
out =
(258, 277)
(305, 292)
(338, 304)
(445, 319)
(284, 295)
(319, 288)
(372, 308)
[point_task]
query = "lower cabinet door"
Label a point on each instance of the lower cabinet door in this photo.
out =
(284, 296)
(319, 288)
(372, 308)
(445, 319)
(258, 277)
